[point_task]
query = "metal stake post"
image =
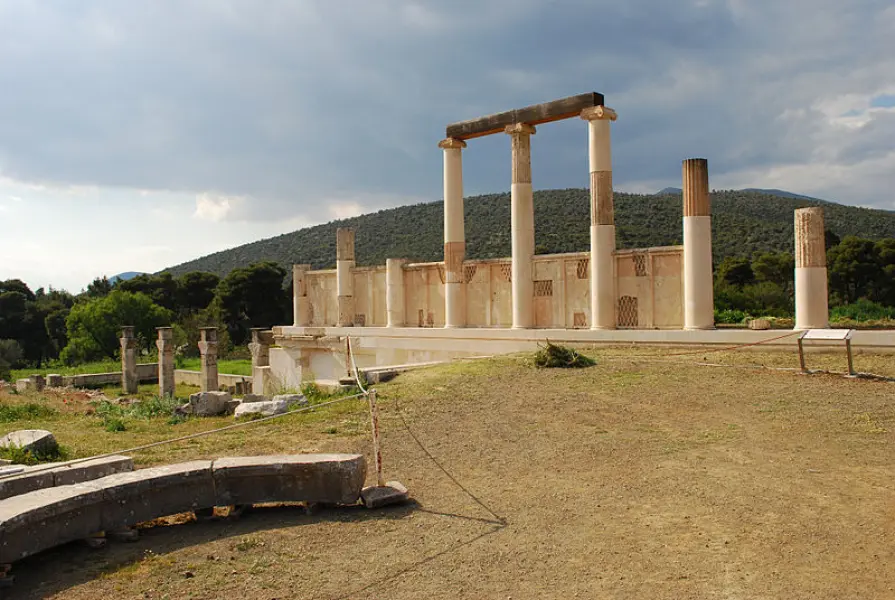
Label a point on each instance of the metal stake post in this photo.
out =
(377, 453)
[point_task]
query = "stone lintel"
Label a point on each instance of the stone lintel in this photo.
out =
(599, 113)
(536, 114)
(452, 143)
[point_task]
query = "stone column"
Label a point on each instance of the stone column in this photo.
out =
(699, 299)
(300, 302)
(128, 360)
(522, 225)
(812, 311)
(394, 291)
(344, 275)
(208, 349)
(165, 345)
(260, 347)
(602, 218)
(454, 234)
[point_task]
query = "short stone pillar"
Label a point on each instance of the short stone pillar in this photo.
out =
(394, 291)
(39, 382)
(129, 379)
(260, 346)
(55, 380)
(699, 299)
(522, 223)
(345, 275)
(602, 218)
(208, 349)
(301, 310)
(454, 234)
(812, 308)
(165, 345)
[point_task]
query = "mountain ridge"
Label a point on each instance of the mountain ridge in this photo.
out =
(744, 222)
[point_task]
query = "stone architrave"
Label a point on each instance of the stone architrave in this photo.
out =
(300, 302)
(699, 301)
(812, 303)
(260, 347)
(394, 291)
(165, 345)
(345, 275)
(602, 218)
(128, 360)
(454, 234)
(522, 225)
(208, 349)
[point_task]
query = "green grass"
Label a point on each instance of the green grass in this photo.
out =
(103, 366)
(10, 413)
(226, 366)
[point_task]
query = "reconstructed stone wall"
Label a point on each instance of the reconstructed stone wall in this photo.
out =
(649, 292)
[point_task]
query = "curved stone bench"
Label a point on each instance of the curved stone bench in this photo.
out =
(41, 476)
(50, 517)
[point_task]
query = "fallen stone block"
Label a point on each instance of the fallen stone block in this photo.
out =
(23, 385)
(54, 381)
(292, 399)
(147, 494)
(42, 519)
(232, 406)
(36, 441)
(327, 478)
(249, 398)
(393, 492)
(267, 408)
(209, 404)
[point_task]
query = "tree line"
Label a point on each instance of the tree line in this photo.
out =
(41, 327)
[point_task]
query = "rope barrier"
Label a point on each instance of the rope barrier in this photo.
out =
(186, 437)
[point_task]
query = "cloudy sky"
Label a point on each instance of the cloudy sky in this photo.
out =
(136, 135)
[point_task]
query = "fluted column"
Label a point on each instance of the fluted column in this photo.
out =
(699, 299)
(454, 234)
(812, 309)
(208, 351)
(602, 218)
(300, 308)
(522, 225)
(394, 291)
(165, 345)
(344, 275)
(128, 360)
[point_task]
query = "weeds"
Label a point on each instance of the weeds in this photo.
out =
(554, 356)
(24, 412)
(20, 456)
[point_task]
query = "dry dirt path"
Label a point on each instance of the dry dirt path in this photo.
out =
(626, 480)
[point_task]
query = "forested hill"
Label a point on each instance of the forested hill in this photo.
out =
(744, 222)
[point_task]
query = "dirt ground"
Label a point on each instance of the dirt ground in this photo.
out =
(642, 477)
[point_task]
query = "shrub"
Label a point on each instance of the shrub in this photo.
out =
(26, 457)
(730, 316)
(10, 355)
(862, 310)
(553, 356)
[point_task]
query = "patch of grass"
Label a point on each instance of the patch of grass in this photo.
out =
(248, 543)
(114, 424)
(25, 412)
(555, 356)
(20, 456)
(226, 366)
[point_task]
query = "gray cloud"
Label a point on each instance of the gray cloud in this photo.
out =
(299, 105)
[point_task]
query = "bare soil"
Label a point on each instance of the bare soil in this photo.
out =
(643, 477)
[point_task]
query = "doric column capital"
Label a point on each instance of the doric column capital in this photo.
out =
(451, 143)
(517, 128)
(599, 113)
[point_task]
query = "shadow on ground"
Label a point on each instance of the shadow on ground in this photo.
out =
(67, 566)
